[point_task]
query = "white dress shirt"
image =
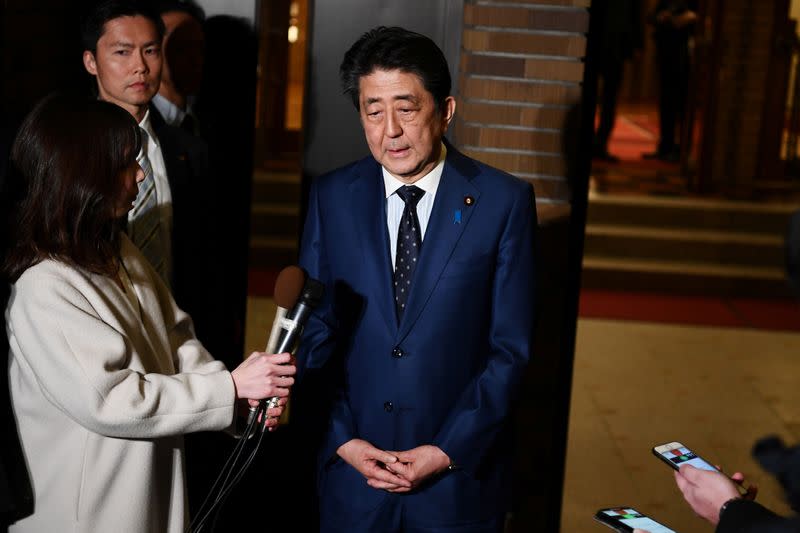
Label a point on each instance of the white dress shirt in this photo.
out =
(173, 115)
(395, 205)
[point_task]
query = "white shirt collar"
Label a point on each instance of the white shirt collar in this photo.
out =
(147, 126)
(173, 115)
(428, 183)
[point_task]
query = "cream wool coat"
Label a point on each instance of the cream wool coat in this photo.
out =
(102, 396)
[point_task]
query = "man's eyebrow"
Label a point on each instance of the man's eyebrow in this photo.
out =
(407, 97)
(126, 44)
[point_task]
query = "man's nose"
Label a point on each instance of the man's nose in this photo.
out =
(393, 128)
(140, 65)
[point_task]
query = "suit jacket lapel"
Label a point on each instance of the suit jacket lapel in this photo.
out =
(448, 220)
(368, 196)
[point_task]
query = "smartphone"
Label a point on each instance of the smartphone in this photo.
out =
(675, 454)
(626, 519)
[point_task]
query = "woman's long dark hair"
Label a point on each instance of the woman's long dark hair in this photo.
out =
(70, 154)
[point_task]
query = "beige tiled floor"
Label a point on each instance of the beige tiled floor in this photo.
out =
(638, 384)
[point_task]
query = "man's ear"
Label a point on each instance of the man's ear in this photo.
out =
(449, 111)
(89, 62)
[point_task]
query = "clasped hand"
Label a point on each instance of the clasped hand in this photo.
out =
(394, 471)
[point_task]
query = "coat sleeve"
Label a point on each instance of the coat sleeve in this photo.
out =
(479, 414)
(82, 365)
(745, 516)
(319, 337)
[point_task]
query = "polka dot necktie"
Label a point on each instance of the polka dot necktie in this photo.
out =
(409, 242)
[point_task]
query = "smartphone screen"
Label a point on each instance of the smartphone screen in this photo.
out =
(628, 519)
(675, 454)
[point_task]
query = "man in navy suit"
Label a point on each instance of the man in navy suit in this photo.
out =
(427, 257)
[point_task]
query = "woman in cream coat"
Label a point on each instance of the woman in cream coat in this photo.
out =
(105, 372)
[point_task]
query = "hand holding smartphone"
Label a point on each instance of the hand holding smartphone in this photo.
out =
(675, 454)
(626, 519)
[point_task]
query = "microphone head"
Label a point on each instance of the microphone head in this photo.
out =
(288, 286)
(313, 291)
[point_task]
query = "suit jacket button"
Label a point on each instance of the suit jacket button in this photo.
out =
(387, 406)
(397, 352)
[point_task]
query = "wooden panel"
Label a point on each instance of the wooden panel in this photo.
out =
(514, 115)
(526, 17)
(525, 43)
(519, 91)
(538, 141)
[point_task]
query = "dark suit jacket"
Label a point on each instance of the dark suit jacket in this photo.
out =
(202, 281)
(750, 517)
(447, 373)
(198, 286)
(744, 516)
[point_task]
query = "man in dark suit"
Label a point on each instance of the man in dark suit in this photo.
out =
(673, 22)
(427, 258)
(621, 37)
(122, 42)
(122, 50)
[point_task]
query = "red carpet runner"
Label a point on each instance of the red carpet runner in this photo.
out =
(777, 315)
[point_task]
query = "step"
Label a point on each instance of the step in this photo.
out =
(699, 246)
(275, 220)
(277, 187)
(272, 252)
(691, 213)
(684, 277)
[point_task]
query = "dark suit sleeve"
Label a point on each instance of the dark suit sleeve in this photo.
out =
(480, 413)
(318, 342)
(744, 516)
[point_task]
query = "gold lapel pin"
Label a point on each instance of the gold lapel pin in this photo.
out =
(469, 200)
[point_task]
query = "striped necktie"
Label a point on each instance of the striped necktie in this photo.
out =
(144, 220)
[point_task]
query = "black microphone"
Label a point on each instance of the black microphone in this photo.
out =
(296, 319)
(291, 326)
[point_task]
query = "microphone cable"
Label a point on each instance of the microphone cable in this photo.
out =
(293, 290)
(232, 471)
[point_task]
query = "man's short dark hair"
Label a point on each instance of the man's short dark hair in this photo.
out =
(186, 6)
(94, 20)
(396, 48)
